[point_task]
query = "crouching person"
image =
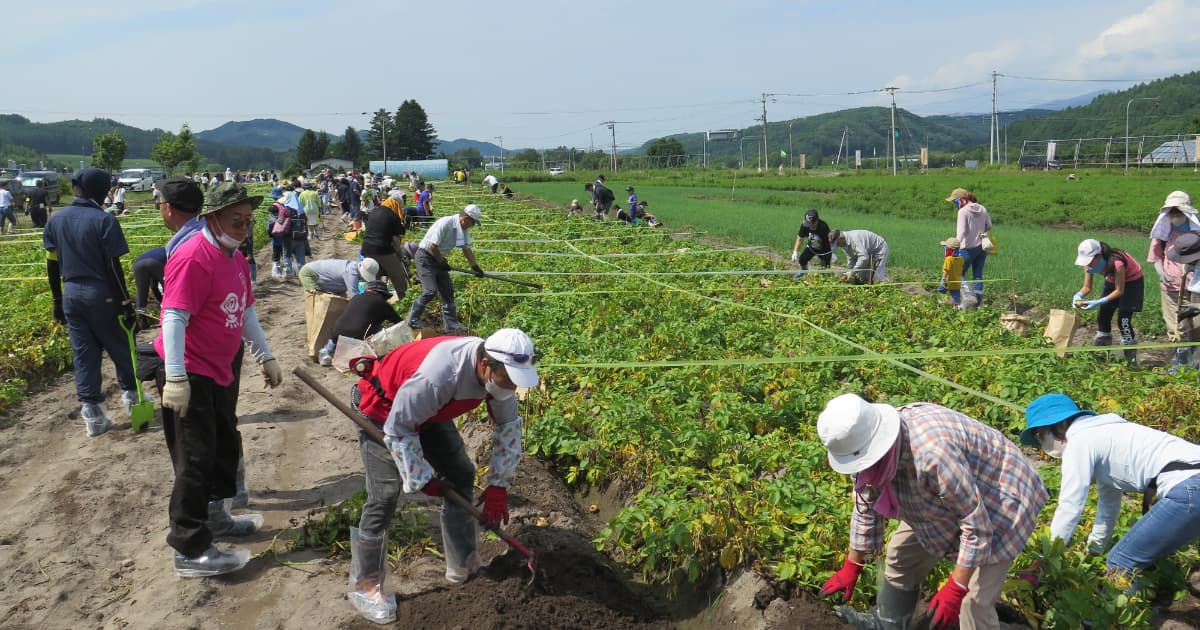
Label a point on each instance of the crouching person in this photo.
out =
(365, 315)
(1118, 456)
(960, 489)
(414, 393)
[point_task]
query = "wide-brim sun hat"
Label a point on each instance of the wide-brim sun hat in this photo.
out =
(1047, 410)
(229, 194)
(1186, 248)
(857, 433)
(1088, 249)
(1181, 200)
(514, 348)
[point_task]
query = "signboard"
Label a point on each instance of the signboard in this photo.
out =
(1195, 154)
(858, 158)
(718, 135)
(803, 160)
(1050, 147)
(924, 157)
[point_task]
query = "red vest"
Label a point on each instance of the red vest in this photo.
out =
(378, 389)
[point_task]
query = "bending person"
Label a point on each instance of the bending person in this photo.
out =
(433, 269)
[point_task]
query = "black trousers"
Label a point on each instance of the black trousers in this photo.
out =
(205, 447)
(808, 254)
(147, 276)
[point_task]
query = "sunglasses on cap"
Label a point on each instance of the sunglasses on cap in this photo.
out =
(518, 357)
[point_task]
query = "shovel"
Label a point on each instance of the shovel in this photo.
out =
(141, 413)
(501, 278)
(375, 434)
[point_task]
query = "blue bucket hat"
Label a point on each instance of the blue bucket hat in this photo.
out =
(276, 192)
(1047, 410)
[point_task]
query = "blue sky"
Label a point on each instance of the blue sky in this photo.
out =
(543, 74)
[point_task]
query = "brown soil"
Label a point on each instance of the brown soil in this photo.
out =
(82, 535)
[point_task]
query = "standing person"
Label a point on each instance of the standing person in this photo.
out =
(863, 249)
(1186, 252)
(414, 393)
(1176, 218)
(6, 209)
(280, 228)
(356, 188)
(973, 221)
(960, 489)
(490, 181)
(342, 190)
(208, 311)
(382, 237)
(310, 201)
(37, 203)
(365, 315)
(632, 202)
(814, 234)
(1118, 456)
(84, 245)
(952, 266)
(1122, 294)
(433, 269)
(425, 202)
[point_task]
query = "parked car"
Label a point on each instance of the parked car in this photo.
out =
(1038, 162)
(136, 179)
(43, 179)
(556, 170)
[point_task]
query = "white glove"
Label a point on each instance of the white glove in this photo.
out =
(1162, 273)
(272, 375)
(176, 394)
(795, 256)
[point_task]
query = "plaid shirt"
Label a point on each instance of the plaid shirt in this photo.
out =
(966, 490)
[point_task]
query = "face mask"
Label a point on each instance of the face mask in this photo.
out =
(1178, 220)
(1099, 268)
(226, 241)
(1052, 446)
(497, 392)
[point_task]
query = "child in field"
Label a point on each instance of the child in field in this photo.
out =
(952, 271)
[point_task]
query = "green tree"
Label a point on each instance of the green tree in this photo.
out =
(108, 151)
(663, 147)
(470, 156)
(383, 127)
(173, 150)
(529, 158)
(413, 130)
(306, 149)
(322, 148)
(352, 148)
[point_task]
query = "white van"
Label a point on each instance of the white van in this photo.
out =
(136, 179)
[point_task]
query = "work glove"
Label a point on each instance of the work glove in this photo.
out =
(844, 580)
(495, 506)
(272, 375)
(478, 271)
(176, 393)
(947, 604)
(59, 315)
(1189, 310)
(1093, 304)
(795, 256)
(1078, 297)
(1162, 273)
(434, 488)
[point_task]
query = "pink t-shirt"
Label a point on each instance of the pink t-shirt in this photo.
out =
(214, 288)
(1133, 271)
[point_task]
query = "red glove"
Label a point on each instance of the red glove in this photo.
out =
(433, 488)
(844, 580)
(495, 506)
(947, 604)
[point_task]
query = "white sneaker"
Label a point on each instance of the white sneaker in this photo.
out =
(95, 419)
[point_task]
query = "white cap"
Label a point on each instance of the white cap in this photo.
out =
(514, 349)
(857, 433)
(1181, 200)
(1088, 249)
(475, 213)
(368, 269)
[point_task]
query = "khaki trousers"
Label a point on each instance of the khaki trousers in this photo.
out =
(908, 563)
(1177, 330)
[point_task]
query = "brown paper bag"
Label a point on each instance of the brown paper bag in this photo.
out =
(1060, 329)
(321, 311)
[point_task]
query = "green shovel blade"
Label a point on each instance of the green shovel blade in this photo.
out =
(141, 414)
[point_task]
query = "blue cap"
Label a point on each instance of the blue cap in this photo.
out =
(94, 182)
(276, 192)
(1047, 410)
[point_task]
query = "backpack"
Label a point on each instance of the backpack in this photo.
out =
(299, 227)
(283, 220)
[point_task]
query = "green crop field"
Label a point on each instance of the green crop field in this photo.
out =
(1040, 219)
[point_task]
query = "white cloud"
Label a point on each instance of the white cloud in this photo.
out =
(1163, 38)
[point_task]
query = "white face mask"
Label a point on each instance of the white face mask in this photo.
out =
(226, 241)
(1177, 219)
(497, 392)
(1052, 446)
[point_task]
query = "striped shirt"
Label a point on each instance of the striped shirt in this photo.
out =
(967, 491)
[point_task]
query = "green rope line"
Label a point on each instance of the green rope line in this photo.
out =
(624, 254)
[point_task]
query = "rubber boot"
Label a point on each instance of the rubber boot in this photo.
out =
(1102, 339)
(1130, 355)
(242, 498)
(368, 571)
(460, 536)
(893, 610)
(414, 315)
(450, 319)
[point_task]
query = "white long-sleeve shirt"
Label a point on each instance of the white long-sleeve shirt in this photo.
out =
(1119, 456)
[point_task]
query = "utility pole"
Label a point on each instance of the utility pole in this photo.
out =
(612, 126)
(892, 91)
(501, 139)
(766, 157)
(993, 129)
